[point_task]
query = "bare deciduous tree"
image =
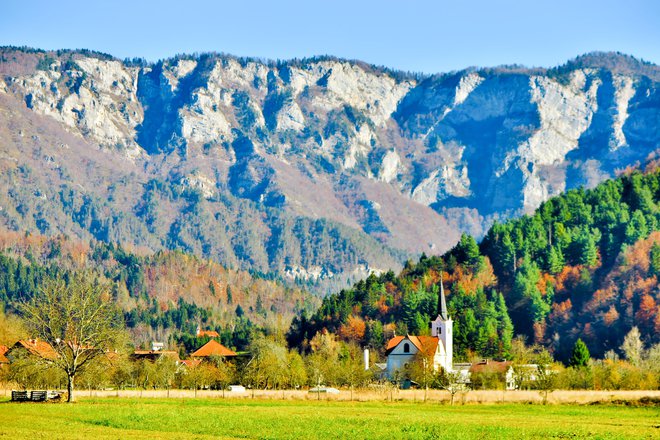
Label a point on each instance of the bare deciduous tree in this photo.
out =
(77, 319)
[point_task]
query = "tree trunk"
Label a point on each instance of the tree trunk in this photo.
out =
(69, 388)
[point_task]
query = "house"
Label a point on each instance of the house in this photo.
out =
(438, 347)
(487, 372)
(3, 359)
(212, 348)
(208, 333)
(34, 347)
(523, 376)
(190, 363)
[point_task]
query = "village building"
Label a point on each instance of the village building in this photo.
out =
(4, 361)
(213, 348)
(437, 348)
(33, 347)
(190, 363)
(157, 351)
(206, 333)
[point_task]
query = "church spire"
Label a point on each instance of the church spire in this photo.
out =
(442, 305)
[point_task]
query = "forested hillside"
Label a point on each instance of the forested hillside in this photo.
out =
(164, 296)
(584, 265)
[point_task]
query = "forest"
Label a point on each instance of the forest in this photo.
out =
(584, 265)
(163, 296)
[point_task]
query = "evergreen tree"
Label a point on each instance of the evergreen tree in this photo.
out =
(467, 251)
(654, 266)
(580, 355)
(555, 260)
(505, 326)
(585, 251)
(637, 228)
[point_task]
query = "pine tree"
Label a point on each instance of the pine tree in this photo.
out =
(584, 249)
(467, 251)
(555, 260)
(637, 228)
(505, 326)
(580, 355)
(654, 266)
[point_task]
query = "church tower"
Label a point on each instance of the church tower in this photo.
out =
(442, 328)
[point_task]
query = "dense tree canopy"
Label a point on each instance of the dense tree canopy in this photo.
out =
(584, 265)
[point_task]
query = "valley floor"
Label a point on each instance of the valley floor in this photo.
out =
(385, 395)
(184, 418)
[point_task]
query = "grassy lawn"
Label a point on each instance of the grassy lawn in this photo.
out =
(217, 418)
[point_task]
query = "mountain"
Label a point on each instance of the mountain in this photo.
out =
(584, 265)
(320, 170)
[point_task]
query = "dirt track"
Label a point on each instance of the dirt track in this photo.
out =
(490, 396)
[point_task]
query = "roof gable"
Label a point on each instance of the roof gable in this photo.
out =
(426, 344)
(212, 348)
(37, 347)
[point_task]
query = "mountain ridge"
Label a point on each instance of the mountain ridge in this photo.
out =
(211, 146)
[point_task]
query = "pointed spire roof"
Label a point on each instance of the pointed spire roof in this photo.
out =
(442, 304)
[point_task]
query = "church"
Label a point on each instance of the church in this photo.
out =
(438, 346)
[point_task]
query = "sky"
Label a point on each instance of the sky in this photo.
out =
(414, 35)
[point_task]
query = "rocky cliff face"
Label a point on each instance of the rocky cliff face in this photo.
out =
(312, 168)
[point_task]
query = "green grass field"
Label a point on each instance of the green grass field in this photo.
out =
(218, 418)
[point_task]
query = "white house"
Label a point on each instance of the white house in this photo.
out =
(438, 346)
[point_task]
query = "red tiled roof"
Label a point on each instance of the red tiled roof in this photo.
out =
(191, 363)
(394, 342)
(211, 348)
(3, 359)
(426, 344)
(38, 348)
(209, 333)
(489, 366)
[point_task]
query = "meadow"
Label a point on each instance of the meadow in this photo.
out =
(187, 418)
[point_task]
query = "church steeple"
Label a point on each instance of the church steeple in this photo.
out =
(442, 329)
(442, 304)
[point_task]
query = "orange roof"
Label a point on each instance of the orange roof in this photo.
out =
(3, 359)
(211, 348)
(489, 366)
(426, 344)
(191, 363)
(38, 348)
(394, 342)
(209, 333)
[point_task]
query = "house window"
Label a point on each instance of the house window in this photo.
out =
(439, 330)
(406, 348)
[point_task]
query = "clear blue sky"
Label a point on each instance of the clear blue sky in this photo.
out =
(417, 35)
